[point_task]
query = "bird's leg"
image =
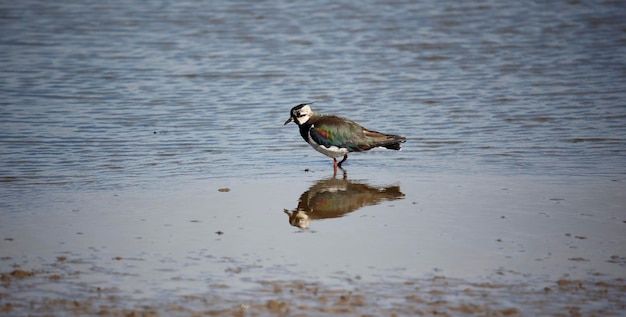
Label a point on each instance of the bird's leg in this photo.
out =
(345, 157)
(334, 163)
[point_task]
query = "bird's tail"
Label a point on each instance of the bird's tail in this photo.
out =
(388, 141)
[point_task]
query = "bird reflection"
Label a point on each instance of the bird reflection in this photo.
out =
(335, 197)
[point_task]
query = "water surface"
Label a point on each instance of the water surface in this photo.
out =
(112, 95)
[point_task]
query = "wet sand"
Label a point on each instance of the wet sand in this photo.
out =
(438, 296)
(445, 245)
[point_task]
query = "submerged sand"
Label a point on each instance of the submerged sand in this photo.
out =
(438, 245)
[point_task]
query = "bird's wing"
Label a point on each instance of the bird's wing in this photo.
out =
(335, 131)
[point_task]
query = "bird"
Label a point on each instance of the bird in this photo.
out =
(336, 136)
(335, 197)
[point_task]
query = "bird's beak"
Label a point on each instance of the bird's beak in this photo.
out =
(288, 120)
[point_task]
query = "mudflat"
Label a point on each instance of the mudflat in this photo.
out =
(430, 245)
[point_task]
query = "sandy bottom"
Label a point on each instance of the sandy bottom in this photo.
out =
(445, 246)
(438, 296)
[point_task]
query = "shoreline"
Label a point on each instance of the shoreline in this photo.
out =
(436, 295)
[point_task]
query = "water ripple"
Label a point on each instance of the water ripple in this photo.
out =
(115, 94)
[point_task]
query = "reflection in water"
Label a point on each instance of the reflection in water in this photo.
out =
(333, 198)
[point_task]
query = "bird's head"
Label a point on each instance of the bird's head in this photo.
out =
(298, 218)
(300, 114)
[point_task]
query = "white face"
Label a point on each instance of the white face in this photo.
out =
(302, 115)
(298, 218)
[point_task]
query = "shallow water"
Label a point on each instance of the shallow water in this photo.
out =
(121, 121)
(514, 246)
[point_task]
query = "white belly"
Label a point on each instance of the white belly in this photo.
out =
(331, 151)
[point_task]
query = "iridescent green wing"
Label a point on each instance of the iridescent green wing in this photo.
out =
(339, 132)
